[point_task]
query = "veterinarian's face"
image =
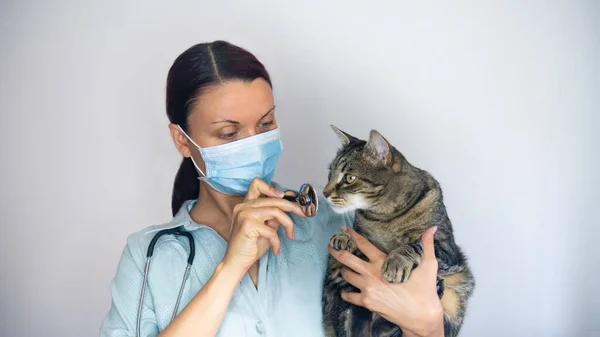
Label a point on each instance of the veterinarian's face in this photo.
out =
(225, 113)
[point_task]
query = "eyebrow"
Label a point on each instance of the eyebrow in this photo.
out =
(236, 122)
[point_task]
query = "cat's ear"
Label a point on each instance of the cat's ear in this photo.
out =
(378, 147)
(344, 137)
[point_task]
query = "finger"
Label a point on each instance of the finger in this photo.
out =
(282, 204)
(348, 259)
(364, 245)
(353, 298)
(353, 278)
(273, 223)
(283, 219)
(428, 243)
(270, 234)
(428, 268)
(258, 187)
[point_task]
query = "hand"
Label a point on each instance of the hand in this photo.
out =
(255, 224)
(412, 305)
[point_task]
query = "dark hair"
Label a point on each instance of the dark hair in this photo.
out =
(197, 68)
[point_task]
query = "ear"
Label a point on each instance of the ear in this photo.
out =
(344, 137)
(378, 147)
(180, 140)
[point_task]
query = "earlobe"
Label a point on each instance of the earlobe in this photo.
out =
(344, 137)
(378, 147)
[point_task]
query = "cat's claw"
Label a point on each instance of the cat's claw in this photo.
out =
(343, 241)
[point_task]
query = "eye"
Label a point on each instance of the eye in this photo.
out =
(229, 135)
(349, 179)
(265, 124)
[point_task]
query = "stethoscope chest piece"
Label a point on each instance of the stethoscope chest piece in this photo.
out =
(307, 198)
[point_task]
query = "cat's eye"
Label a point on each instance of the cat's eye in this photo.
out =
(349, 179)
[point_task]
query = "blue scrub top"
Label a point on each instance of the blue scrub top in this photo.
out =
(286, 303)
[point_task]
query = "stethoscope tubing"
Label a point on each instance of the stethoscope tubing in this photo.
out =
(149, 254)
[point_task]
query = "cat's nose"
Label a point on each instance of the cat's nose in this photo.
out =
(326, 193)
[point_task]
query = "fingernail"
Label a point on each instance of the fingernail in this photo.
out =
(344, 229)
(279, 194)
(435, 228)
(343, 296)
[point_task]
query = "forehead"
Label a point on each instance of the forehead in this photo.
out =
(348, 158)
(233, 100)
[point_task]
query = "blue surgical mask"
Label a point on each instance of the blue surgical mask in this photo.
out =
(231, 167)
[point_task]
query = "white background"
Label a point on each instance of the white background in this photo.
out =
(498, 100)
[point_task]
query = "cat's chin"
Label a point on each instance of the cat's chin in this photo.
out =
(351, 205)
(342, 209)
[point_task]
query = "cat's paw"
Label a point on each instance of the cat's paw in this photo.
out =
(400, 263)
(343, 241)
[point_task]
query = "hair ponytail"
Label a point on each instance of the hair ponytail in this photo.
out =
(186, 186)
(197, 68)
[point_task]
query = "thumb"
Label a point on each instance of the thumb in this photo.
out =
(427, 241)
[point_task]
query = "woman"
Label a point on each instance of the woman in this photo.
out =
(260, 261)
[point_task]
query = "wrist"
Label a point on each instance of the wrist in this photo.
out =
(437, 331)
(230, 271)
(431, 327)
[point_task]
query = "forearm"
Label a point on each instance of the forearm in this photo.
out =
(203, 315)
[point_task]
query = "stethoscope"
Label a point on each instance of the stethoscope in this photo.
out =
(306, 198)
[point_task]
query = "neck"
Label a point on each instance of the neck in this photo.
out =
(414, 215)
(215, 209)
(387, 211)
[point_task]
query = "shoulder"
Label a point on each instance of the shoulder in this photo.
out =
(181, 220)
(169, 251)
(137, 243)
(126, 285)
(135, 250)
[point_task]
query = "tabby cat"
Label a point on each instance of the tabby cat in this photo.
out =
(395, 203)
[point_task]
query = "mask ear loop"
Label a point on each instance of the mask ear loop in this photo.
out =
(198, 147)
